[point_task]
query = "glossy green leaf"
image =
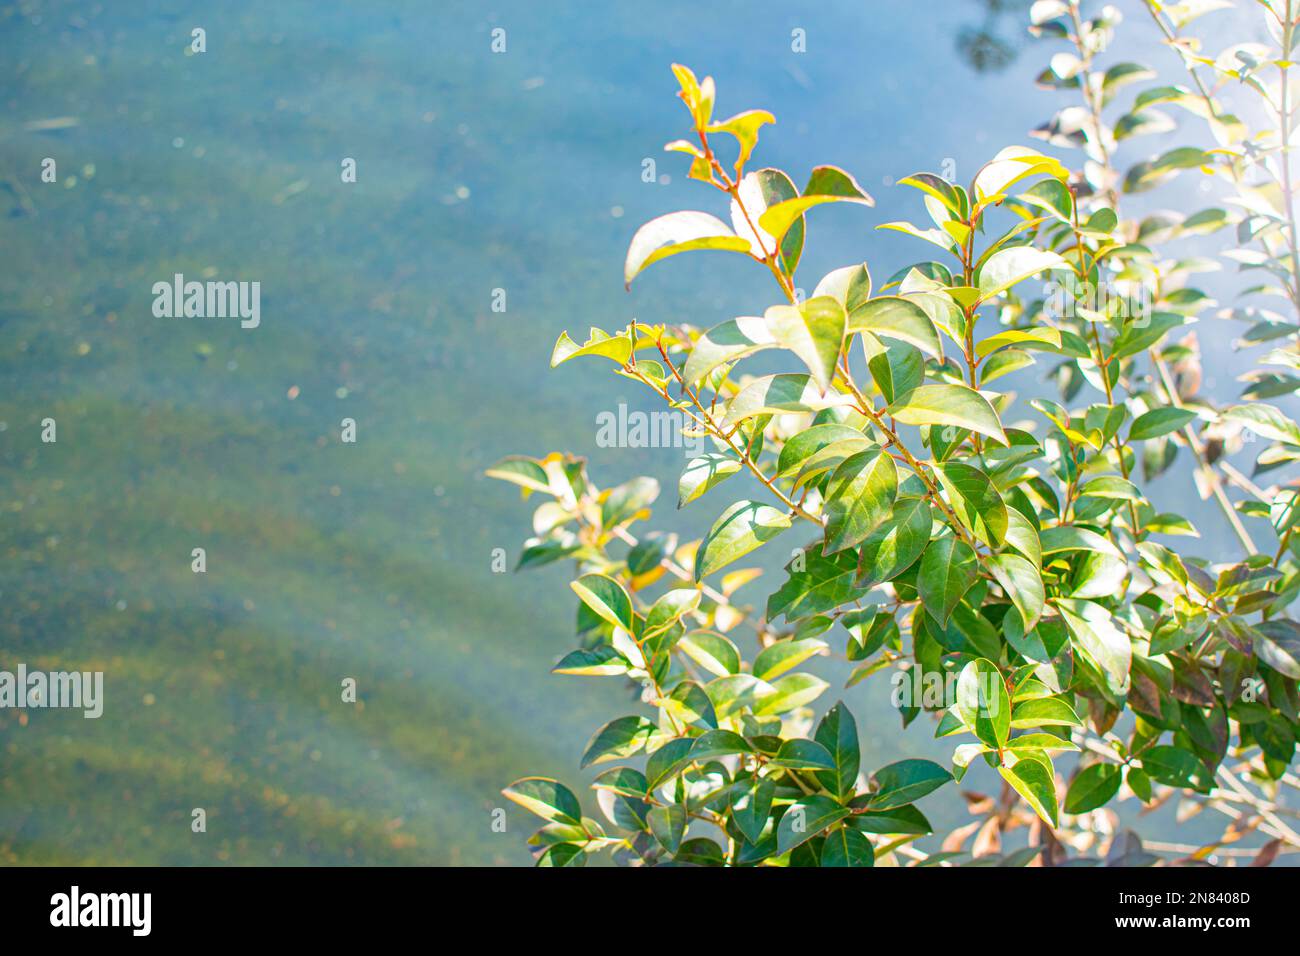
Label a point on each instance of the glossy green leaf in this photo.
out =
(703, 473)
(806, 819)
(1022, 584)
(847, 847)
(668, 824)
(773, 394)
(1007, 267)
(896, 544)
(1265, 421)
(897, 317)
(1093, 787)
(744, 526)
(983, 703)
(975, 500)
(678, 232)
(547, 798)
(1095, 633)
(776, 659)
(606, 598)
(1177, 767)
(1035, 782)
(859, 497)
(751, 807)
(790, 692)
(814, 332)
(619, 738)
(948, 404)
(826, 184)
(1159, 421)
(949, 569)
(838, 733)
(727, 342)
(905, 781)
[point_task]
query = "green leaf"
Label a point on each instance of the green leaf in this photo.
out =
(827, 184)
(849, 286)
(744, 126)
(1072, 538)
(751, 806)
(600, 661)
(703, 473)
(805, 819)
(900, 820)
(678, 232)
(1052, 196)
(1040, 336)
(1023, 536)
(939, 188)
(975, 501)
(1006, 267)
(713, 652)
(814, 332)
(606, 597)
(846, 847)
(668, 824)
(896, 317)
(621, 737)
(773, 394)
(621, 780)
(1112, 488)
(1159, 421)
(668, 761)
(727, 342)
(547, 798)
(824, 584)
(758, 192)
(1265, 421)
(802, 447)
(775, 659)
(670, 607)
(949, 569)
(896, 543)
(1012, 165)
(983, 703)
(528, 473)
(1095, 634)
(838, 733)
(627, 499)
(1093, 788)
(690, 703)
(1176, 767)
(744, 526)
(562, 854)
(905, 781)
(858, 498)
(1044, 712)
(799, 754)
(1278, 646)
(947, 404)
(713, 744)
(616, 348)
(790, 692)
(1034, 781)
(1023, 585)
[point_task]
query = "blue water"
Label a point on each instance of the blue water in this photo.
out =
(476, 171)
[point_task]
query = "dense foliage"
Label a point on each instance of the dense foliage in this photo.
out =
(1003, 561)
